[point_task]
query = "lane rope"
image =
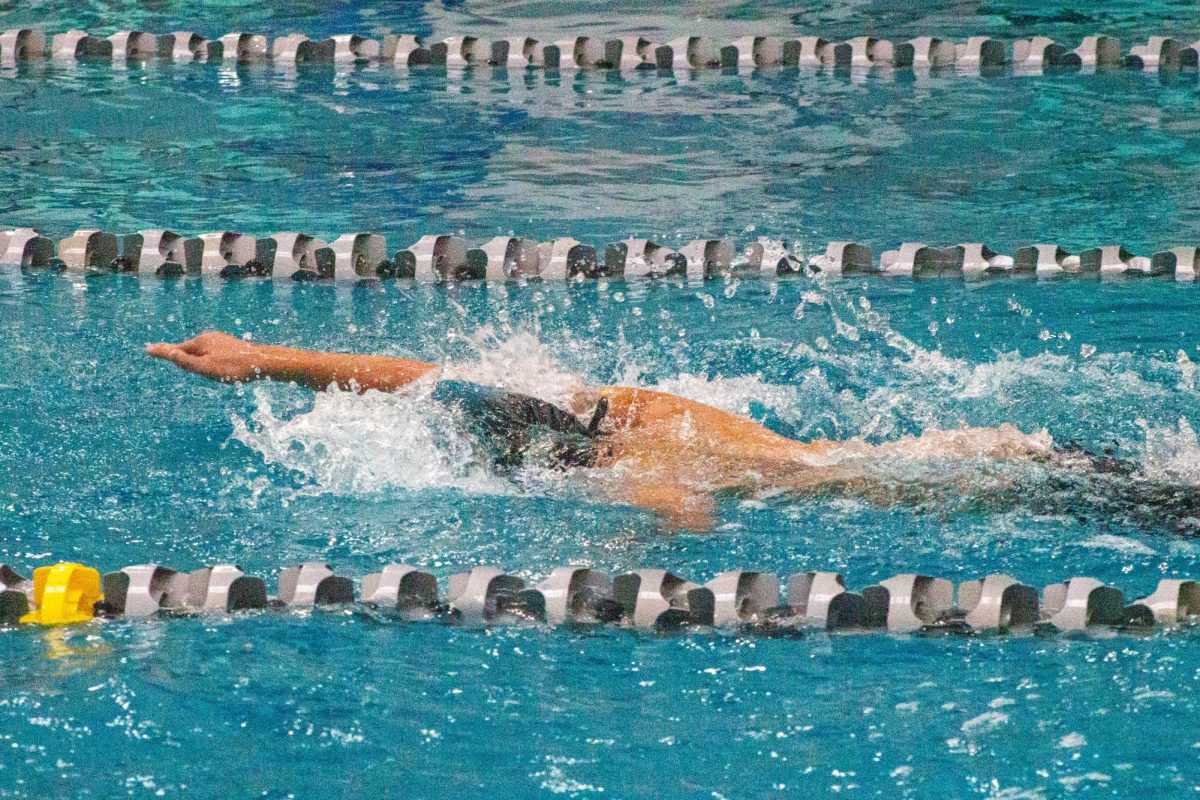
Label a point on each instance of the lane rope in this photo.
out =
(977, 54)
(645, 599)
(365, 256)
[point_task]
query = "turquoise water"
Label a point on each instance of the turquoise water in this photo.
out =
(111, 459)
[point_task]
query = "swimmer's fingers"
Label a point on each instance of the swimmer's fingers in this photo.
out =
(177, 355)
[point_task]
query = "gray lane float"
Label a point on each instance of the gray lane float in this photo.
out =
(760, 52)
(439, 258)
(21, 44)
(644, 599)
(980, 52)
(404, 51)
(977, 54)
(1041, 53)
(565, 258)
(25, 247)
(133, 46)
(16, 595)
(821, 599)
(184, 46)
(843, 258)
(909, 602)
(505, 258)
(296, 256)
(707, 258)
(1045, 259)
(162, 253)
(487, 595)
(630, 53)
(642, 258)
(1173, 601)
(225, 588)
(72, 46)
(144, 590)
(582, 52)
(997, 602)
(228, 254)
(930, 52)
(979, 259)
(1100, 51)
(578, 595)
(401, 588)
(436, 258)
(1079, 603)
(655, 598)
(1113, 259)
(88, 249)
(360, 256)
(741, 598)
(314, 584)
(244, 48)
(688, 53)
(1158, 53)
(912, 258)
(350, 47)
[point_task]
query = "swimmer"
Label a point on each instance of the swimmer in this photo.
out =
(668, 454)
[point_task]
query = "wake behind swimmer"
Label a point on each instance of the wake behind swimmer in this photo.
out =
(670, 454)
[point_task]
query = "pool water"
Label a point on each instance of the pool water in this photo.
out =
(109, 458)
(113, 459)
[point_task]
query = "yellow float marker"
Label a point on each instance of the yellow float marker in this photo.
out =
(64, 594)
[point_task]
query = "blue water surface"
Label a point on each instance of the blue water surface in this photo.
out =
(109, 458)
(113, 459)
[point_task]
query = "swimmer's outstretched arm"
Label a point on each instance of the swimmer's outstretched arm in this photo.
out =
(226, 358)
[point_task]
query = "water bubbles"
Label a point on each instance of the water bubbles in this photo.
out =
(1045, 336)
(933, 328)
(637, 311)
(1087, 350)
(708, 300)
(618, 297)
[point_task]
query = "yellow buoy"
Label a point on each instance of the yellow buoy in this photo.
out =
(64, 594)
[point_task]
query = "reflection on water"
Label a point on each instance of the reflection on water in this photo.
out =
(807, 157)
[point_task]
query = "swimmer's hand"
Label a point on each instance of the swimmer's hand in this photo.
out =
(214, 355)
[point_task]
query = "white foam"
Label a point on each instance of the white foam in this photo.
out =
(1171, 455)
(872, 384)
(519, 363)
(355, 444)
(1121, 544)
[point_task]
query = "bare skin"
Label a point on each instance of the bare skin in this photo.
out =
(671, 454)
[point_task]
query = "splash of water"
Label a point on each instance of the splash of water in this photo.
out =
(359, 444)
(867, 380)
